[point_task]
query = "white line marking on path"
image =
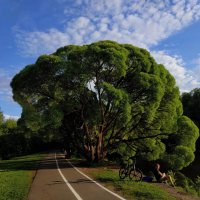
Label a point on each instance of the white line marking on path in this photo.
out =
(95, 182)
(67, 183)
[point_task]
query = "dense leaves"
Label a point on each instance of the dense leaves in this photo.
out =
(104, 98)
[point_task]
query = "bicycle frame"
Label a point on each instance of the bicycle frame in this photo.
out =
(130, 170)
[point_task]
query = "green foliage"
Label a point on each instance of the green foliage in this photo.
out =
(186, 183)
(107, 97)
(1, 122)
(1, 117)
(197, 185)
(181, 152)
(152, 149)
(188, 132)
(14, 140)
(10, 124)
(10, 140)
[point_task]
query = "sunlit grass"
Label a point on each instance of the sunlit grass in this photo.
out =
(131, 189)
(16, 176)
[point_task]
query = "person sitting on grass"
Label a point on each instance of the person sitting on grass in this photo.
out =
(161, 177)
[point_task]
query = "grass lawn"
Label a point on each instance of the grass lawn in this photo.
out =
(129, 189)
(16, 176)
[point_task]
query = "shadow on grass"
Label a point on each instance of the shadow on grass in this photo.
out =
(19, 165)
(33, 163)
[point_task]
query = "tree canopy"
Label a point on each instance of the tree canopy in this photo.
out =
(107, 97)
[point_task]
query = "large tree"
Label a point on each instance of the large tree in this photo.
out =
(106, 97)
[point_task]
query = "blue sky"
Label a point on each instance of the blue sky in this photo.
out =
(169, 29)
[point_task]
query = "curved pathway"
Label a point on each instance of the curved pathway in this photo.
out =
(58, 179)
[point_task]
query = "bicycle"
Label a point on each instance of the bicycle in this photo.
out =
(130, 170)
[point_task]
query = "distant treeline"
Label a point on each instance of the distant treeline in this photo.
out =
(16, 141)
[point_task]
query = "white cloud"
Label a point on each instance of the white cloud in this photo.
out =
(38, 42)
(197, 61)
(5, 89)
(139, 22)
(196, 70)
(11, 117)
(185, 79)
(5, 79)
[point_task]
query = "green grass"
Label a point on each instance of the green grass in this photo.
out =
(133, 190)
(16, 176)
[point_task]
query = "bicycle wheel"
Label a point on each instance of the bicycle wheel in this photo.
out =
(135, 175)
(122, 172)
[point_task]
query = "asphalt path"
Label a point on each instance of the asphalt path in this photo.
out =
(58, 179)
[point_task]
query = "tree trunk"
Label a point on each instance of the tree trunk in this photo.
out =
(90, 152)
(95, 150)
(99, 148)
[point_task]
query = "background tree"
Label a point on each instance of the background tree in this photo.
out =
(105, 97)
(191, 107)
(11, 142)
(1, 121)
